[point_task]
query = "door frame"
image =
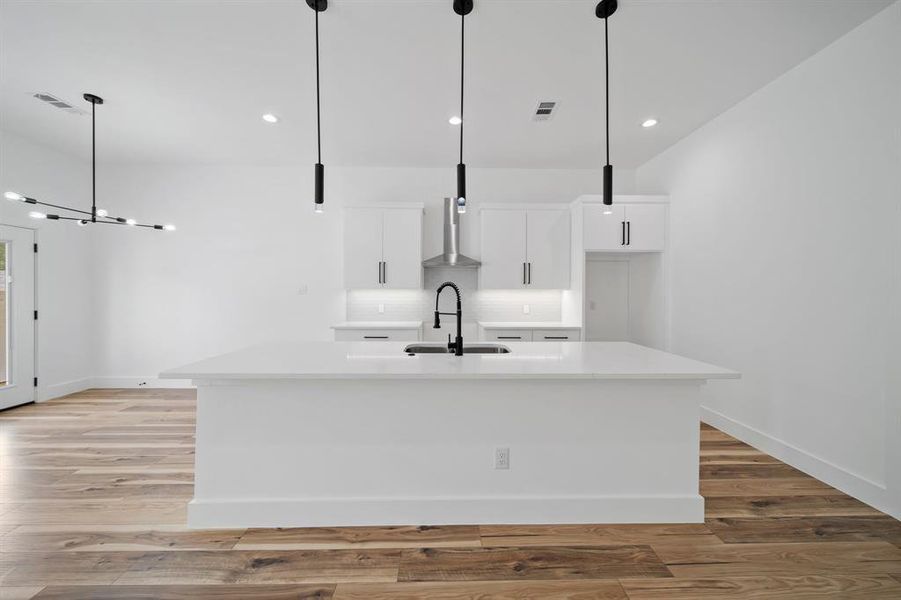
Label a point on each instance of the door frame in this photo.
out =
(36, 235)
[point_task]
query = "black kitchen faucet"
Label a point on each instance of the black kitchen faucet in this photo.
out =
(456, 346)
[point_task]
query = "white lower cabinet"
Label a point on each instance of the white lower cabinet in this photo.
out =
(563, 334)
(377, 335)
(508, 335)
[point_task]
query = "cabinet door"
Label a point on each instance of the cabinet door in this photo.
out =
(548, 249)
(603, 231)
(503, 249)
(402, 248)
(362, 248)
(646, 227)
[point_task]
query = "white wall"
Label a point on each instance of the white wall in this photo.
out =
(64, 276)
(785, 225)
(247, 242)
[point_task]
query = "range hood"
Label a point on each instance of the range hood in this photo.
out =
(451, 256)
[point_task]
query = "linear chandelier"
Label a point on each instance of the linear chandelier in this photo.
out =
(318, 6)
(604, 9)
(95, 215)
(462, 8)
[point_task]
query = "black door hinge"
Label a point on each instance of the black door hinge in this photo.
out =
(35, 382)
(35, 315)
(35, 247)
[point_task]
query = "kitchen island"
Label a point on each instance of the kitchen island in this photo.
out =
(301, 434)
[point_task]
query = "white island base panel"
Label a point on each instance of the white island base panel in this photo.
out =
(343, 452)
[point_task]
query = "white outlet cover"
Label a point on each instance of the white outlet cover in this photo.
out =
(526, 309)
(381, 309)
(302, 289)
(502, 458)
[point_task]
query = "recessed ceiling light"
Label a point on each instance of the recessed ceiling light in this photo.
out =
(270, 118)
(649, 123)
(455, 120)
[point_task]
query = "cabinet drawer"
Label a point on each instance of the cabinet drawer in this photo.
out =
(508, 335)
(556, 335)
(376, 335)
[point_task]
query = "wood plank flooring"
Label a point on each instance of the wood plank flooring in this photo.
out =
(93, 489)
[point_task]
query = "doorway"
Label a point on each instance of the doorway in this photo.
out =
(17, 316)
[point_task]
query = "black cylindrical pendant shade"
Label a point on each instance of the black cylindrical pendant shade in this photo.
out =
(461, 180)
(608, 184)
(319, 197)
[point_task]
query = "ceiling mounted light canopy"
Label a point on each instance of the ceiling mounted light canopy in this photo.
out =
(318, 6)
(604, 10)
(95, 215)
(462, 8)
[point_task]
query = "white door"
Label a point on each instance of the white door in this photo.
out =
(503, 249)
(607, 301)
(16, 316)
(646, 227)
(604, 227)
(362, 248)
(402, 248)
(548, 249)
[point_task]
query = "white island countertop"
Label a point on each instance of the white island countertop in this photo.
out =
(386, 360)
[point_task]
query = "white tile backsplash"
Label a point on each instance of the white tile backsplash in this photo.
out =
(478, 305)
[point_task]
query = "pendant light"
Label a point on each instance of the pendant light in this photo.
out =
(318, 6)
(604, 10)
(95, 216)
(462, 8)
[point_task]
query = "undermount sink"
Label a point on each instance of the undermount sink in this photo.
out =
(439, 348)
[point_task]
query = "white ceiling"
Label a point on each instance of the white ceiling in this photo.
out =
(186, 81)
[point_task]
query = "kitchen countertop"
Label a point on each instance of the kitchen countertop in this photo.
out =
(365, 360)
(527, 325)
(378, 325)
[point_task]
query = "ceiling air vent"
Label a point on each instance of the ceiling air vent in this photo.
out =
(544, 111)
(61, 104)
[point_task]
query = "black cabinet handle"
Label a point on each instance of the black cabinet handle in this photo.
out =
(523, 273)
(375, 337)
(509, 337)
(530, 273)
(623, 234)
(556, 337)
(384, 272)
(628, 233)
(380, 271)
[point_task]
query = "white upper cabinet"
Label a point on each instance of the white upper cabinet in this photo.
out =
(525, 248)
(382, 248)
(624, 227)
(503, 249)
(548, 249)
(402, 248)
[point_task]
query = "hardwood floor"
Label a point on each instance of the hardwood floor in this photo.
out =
(93, 490)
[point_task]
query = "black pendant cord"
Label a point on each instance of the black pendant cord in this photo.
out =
(607, 88)
(93, 162)
(318, 119)
(604, 10)
(462, 79)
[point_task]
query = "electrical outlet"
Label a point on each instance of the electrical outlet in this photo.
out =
(381, 309)
(302, 289)
(526, 309)
(502, 458)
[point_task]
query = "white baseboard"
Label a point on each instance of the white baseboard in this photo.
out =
(139, 382)
(854, 485)
(330, 512)
(58, 390)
